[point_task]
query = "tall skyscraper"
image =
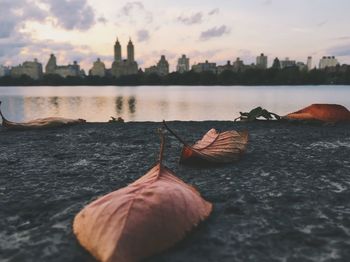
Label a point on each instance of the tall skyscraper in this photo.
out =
(117, 51)
(122, 67)
(261, 61)
(309, 63)
(183, 64)
(131, 52)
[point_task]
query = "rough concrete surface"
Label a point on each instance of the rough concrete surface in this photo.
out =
(288, 199)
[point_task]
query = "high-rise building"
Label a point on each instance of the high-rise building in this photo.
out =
(117, 51)
(98, 69)
(261, 61)
(183, 64)
(309, 63)
(33, 69)
(328, 61)
(131, 52)
(122, 67)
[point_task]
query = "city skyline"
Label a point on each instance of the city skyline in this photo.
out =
(83, 30)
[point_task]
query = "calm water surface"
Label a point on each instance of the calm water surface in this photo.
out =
(155, 103)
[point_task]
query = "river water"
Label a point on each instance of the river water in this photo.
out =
(155, 103)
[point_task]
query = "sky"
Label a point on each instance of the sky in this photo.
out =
(217, 31)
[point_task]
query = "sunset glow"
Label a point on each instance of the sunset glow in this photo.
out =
(218, 31)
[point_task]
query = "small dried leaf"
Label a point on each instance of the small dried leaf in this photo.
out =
(321, 112)
(39, 123)
(142, 219)
(216, 147)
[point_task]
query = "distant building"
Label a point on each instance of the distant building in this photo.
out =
(162, 67)
(309, 63)
(33, 69)
(287, 63)
(238, 65)
(4, 71)
(66, 70)
(302, 66)
(261, 61)
(204, 67)
(151, 70)
(98, 69)
(227, 67)
(124, 67)
(328, 61)
(276, 63)
(344, 68)
(183, 64)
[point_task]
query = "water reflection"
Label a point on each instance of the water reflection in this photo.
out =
(119, 105)
(157, 103)
(132, 105)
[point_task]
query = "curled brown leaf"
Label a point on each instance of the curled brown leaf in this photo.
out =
(321, 112)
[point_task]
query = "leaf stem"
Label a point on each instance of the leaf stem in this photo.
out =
(162, 143)
(174, 134)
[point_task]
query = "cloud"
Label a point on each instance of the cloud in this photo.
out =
(196, 18)
(7, 27)
(322, 23)
(214, 32)
(214, 11)
(130, 6)
(136, 10)
(13, 15)
(342, 38)
(10, 47)
(267, 2)
(102, 20)
(17, 46)
(341, 50)
(72, 14)
(143, 35)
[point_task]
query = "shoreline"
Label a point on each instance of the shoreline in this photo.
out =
(287, 198)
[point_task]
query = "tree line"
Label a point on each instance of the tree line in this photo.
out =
(272, 76)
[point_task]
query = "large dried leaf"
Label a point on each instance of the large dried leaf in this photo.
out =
(214, 147)
(321, 112)
(142, 219)
(39, 123)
